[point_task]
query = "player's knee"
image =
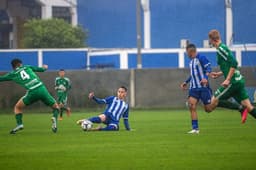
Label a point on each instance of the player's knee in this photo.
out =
(18, 107)
(56, 106)
(208, 110)
(192, 106)
(102, 118)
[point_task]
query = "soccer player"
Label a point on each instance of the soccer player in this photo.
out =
(199, 88)
(62, 86)
(233, 85)
(25, 76)
(116, 108)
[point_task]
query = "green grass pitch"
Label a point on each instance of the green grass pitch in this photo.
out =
(158, 142)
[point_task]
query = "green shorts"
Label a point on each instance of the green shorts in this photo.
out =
(236, 90)
(40, 93)
(62, 98)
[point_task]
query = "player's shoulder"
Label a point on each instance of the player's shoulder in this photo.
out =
(223, 48)
(26, 66)
(66, 78)
(57, 78)
(111, 97)
(200, 56)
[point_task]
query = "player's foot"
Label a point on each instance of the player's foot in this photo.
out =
(194, 131)
(54, 124)
(16, 129)
(60, 118)
(79, 122)
(244, 115)
(68, 111)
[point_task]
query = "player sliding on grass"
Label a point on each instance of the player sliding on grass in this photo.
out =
(62, 86)
(116, 108)
(199, 88)
(25, 76)
(233, 85)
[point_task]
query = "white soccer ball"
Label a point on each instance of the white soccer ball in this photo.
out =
(86, 125)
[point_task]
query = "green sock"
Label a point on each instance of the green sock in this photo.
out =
(229, 105)
(18, 118)
(253, 113)
(61, 112)
(55, 113)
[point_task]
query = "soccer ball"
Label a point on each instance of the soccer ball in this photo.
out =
(86, 125)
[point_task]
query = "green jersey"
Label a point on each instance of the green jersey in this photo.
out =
(25, 76)
(62, 84)
(226, 60)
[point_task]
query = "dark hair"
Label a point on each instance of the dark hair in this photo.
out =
(191, 46)
(16, 62)
(62, 69)
(125, 89)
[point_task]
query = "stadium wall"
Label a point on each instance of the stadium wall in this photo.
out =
(79, 59)
(148, 88)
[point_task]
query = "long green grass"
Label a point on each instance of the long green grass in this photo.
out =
(158, 141)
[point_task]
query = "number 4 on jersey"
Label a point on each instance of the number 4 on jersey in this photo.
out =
(24, 75)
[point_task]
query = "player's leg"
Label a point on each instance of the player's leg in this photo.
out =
(26, 100)
(60, 103)
(231, 104)
(192, 102)
(110, 127)
(62, 100)
(18, 110)
(96, 119)
(242, 97)
(48, 100)
(61, 110)
(65, 104)
(251, 109)
(221, 93)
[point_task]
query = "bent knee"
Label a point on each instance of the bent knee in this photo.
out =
(208, 110)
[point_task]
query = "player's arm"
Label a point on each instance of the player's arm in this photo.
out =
(69, 85)
(229, 58)
(97, 100)
(207, 69)
(39, 69)
(126, 121)
(6, 77)
(183, 85)
(206, 66)
(215, 75)
(231, 72)
(55, 85)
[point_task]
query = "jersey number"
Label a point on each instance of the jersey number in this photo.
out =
(24, 75)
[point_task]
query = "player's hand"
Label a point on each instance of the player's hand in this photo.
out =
(204, 82)
(214, 75)
(45, 66)
(225, 83)
(91, 95)
(183, 86)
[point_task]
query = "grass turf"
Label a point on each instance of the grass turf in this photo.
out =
(159, 141)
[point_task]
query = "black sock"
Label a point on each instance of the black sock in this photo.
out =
(229, 105)
(253, 113)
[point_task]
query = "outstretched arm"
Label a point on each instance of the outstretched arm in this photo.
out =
(6, 77)
(39, 69)
(183, 85)
(97, 100)
(125, 117)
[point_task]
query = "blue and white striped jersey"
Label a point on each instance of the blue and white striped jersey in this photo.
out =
(116, 108)
(199, 66)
